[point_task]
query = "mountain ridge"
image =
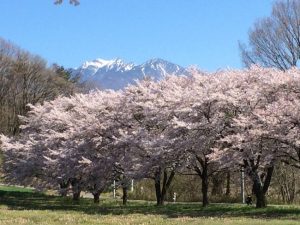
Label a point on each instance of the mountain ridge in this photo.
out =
(117, 74)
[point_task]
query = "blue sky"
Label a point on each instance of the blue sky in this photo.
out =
(186, 32)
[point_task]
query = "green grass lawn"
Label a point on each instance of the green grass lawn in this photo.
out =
(24, 206)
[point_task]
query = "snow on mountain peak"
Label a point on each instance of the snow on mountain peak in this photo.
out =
(98, 63)
(116, 74)
(109, 64)
(155, 61)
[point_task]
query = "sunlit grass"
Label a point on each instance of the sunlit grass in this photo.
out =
(24, 206)
(15, 189)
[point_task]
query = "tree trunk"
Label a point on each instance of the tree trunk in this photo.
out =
(96, 193)
(228, 184)
(260, 188)
(76, 189)
(260, 196)
(204, 188)
(157, 187)
(64, 188)
(125, 195)
(203, 174)
(76, 195)
(166, 184)
(161, 192)
(97, 197)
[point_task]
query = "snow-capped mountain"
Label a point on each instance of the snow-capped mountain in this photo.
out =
(116, 74)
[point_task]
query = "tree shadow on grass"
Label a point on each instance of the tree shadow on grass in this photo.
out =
(38, 201)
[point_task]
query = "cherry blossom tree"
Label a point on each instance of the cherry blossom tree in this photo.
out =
(249, 143)
(146, 117)
(281, 118)
(203, 112)
(69, 143)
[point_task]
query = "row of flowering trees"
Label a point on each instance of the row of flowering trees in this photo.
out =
(205, 123)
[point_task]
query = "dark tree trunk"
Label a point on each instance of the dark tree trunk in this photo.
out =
(260, 196)
(64, 188)
(157, 187)
(166, 184)
(76, 189)
(97, 197)
(261, 201)
(204, 188)
(228, 184)
(76, 195)
(203, 174)
(96, 193)
(161, 192)
(260, 188)
(125, 195)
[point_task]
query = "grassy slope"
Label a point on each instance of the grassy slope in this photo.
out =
(23, 206)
